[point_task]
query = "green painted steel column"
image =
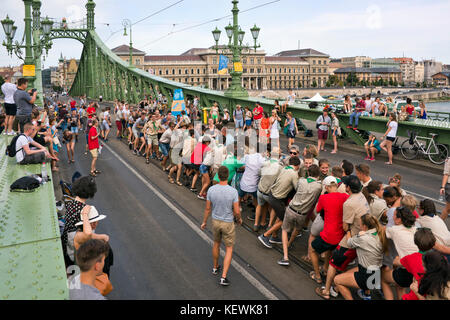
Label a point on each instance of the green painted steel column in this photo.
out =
(37, 52)
(28, 39)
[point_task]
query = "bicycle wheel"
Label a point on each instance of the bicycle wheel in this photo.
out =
(409, 151)
(440, 153)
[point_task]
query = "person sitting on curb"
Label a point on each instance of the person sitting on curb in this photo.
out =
(29, 151)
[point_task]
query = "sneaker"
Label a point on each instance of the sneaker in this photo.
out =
(372, 159)
(367, 158)
(349, 126)
(363, 295)
(251, 217)
(333, 292)
(276, 240)
(193, 189)
(255, 228)
(138, 153)
(130, 145)
(134, 152)
(224, 282)
(201, 197)
(11, 133)
(265, 241)
(283, 262)
(215, 271)
(305, 229)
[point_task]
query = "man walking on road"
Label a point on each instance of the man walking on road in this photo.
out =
(223, 201)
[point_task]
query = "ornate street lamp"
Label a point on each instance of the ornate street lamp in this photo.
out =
(235, 39)
(127, 24)
(47, 25)
(7, 24)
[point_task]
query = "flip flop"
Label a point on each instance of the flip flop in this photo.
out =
(319, 292)
(179, 183)
(306, 259)
(312, 275)
(171, 180)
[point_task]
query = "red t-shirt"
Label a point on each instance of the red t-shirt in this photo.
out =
(90, 111)
(197, 154)
(260, 115)
(332, 204)
(410, 109)
(73, 103)
(93, 143)
(413, 264)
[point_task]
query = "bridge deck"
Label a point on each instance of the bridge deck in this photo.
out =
(32, 264)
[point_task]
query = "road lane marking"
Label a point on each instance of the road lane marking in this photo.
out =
(255, 282)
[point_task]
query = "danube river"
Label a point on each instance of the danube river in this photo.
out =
(438, 106)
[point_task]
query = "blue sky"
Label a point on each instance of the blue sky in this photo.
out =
(414, 28)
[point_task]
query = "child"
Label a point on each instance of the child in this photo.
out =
(56, 143)
(335, 130)
(372, 146)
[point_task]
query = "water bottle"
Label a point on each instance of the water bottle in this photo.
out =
(441, 197)
(44, 173)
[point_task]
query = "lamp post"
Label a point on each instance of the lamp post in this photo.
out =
(235, 39)
(34, 43)
(127, 23)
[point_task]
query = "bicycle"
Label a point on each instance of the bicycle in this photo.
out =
(436, 152)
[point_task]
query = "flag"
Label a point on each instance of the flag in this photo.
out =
(223, 65)
(178, 103)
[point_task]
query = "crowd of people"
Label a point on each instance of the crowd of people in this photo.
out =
(349, 216)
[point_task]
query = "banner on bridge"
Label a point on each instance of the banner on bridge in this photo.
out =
(223, 65)
(178, 103)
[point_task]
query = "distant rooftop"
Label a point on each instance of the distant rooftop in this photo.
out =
(367, 70)
(301, 53)
(124, 49)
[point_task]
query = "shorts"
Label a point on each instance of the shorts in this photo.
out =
(239, 123)
(165, 147)
(291, 134)
(94, 153)
(293, 220)
(320, 246)
(277, 205)
(248, 123)
(341, 257)
(106, 125)
(362, 277)
(152, 140)
(74, 129)
(242, 193)
(87, 138)
(402, 277)
(22, 119)
(262, 198)
(257, 123)
(215, 116)
(322, 134)
(447, 192)
(204, 169)
(317, 226)
(119, 125)
(392, 139)
(10, 109)
(189, 166)
(224, 232)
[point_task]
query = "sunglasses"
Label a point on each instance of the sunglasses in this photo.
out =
(294, 153)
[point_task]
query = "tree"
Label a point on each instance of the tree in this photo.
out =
(417, 85)
(334, 80)
(2, 81)
(299, 84)
(328, 84)
(352, 79)
(424, 84)
(391, 82)
(402, 84)
(314, 84)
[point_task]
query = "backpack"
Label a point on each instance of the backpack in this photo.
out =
(11, 148)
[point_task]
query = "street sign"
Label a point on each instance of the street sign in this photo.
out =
(29, 70)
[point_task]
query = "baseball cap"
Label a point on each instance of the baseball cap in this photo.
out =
(328, 181)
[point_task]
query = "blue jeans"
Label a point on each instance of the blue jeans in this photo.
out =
(355, 115)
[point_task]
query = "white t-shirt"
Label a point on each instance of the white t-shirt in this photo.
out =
(438, 227)
(403, 239)
(8, 90)
(20, 143)
(250, 178)
(393, 132)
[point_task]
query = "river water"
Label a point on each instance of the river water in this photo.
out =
(438, 106)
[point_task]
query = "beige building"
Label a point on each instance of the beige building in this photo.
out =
(407, 67)
(356, 62)
(441, 79)
(65, 75)
(419, 72)
(370, 74)
(199, 67)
